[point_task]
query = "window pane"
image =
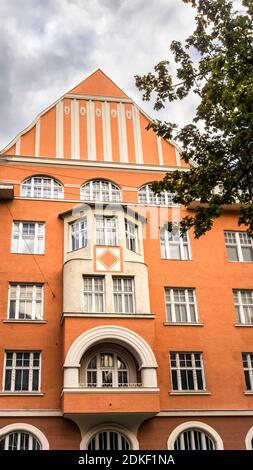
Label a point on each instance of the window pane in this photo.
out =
(232, 253)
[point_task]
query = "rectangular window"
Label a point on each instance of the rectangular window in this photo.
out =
(79, 234)
(187, 371)
(174, 246)
(106, 231)
(123, 295)
(28, 237)
(243, 300)
(181, 305)
(131, 236)
(239, 246)
(25, 302)
(22, 371)
(93, 294)
(247, 360)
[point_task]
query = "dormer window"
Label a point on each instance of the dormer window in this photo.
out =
(42, 187)
(100, 191)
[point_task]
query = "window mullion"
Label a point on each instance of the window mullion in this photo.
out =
(196, 314)
(178, 370)
(188, 314)
(194, 373)
(240, 308)
(238, 245)
(13, 372)
(17, 302)
(167, 244)
(173, 308)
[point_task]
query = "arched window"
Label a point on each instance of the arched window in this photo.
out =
(109, 440)
(107, 369)
(194, 435)
(19, 440)
(101, 191)
(194, 439)
(147, 196)
(42, 187)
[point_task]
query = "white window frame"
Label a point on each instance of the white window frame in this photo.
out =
(37, 237)
(30, 368)
(187, 305)
(93, 293)
(112, 189)
(107, 230)
(123, 294)
(130, 436)
(79, 231)
(114, 370)
(240, 314)
(165, 243)
(34, 301)
(193, 368)
(28, 428)
(238, 245)
(131, 235)
(150, 196)
(198, 425)
(54, 185)
(248, 369)
(19, 435)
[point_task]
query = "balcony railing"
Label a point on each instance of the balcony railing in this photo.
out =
(110, 386)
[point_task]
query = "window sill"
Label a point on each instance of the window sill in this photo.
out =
(25, 321)
(244, 262)
(167, 323)
(178, 259)
(193, 392)
(244, 325)
(146, 316)
(29, 254)
(36, 394)
(248, 392)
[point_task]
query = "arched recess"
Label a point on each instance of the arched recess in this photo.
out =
(198, 425)
(128, 339)
(131, 437)
(249, 439)
(15, 427)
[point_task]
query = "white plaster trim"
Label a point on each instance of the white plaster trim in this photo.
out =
(107, 136)
(85, 163)
(37, 139)
(91, 131)
(160, 150)
(110, 427)
(193, 412)
(59, 130)
(248, 439)
(137, 134)
(194, 424)
(119, 335)
(17, 146)
(123, 150)
(119, 390)
(75, 130)
(98, 98)
(17, 413)
(29, 428)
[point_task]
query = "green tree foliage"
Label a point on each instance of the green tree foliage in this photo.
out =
(216, 63)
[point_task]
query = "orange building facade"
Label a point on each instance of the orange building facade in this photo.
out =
(115, 332)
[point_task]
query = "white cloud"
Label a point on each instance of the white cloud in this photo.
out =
(48, 46)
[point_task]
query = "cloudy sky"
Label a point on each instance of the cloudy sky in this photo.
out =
(48, 46)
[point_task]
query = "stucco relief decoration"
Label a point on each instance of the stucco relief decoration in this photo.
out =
(108, 259)
(82, 111)
(66, 110)
(114, 113)
(98, 112)
(128, 114)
